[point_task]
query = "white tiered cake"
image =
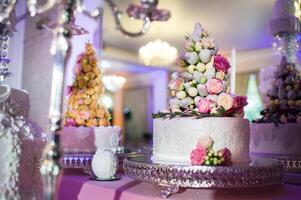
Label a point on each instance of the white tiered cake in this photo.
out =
(175, 138)
(204, 125)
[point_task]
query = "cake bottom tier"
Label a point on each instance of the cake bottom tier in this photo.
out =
(283, 140)
(82, 139)
(174, 139)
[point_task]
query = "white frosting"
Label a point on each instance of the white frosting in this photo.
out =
(268, 139)
(82, 139)
(175, 138)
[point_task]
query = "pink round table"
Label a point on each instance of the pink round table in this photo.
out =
(81, 188)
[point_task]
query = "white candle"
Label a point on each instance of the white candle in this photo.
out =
(233, 70)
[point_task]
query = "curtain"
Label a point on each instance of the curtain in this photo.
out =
(242, 84)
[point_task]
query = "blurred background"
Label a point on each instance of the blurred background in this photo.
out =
(136, 70)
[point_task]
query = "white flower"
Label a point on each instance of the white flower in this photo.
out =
(202, 90)
(175, 109)
(181, 95)
(187, 76)
(210, 64)
(210, 72)
(184, 103)
(225, 100)
(220, 75)
(197, 76)
(198, 46)
(191, 57)
(212, 97)
(174, 102)
(201, 67)
(192, 91)
(191, 68)
(197, 99)
(187, 85)
(175, 75)
(205, 55)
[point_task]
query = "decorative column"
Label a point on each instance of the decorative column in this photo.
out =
(60, 49)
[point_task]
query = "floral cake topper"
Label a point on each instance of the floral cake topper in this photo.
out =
(204, 154)
(201, 88)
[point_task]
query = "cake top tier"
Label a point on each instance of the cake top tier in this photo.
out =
(84, 106)
(201, 87)
(285, 95)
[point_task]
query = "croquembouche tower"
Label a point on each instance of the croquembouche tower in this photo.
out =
(87, 120)
(84, 107)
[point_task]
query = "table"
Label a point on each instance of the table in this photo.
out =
(129, 189)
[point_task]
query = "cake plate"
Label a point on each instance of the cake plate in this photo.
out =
(170, 178)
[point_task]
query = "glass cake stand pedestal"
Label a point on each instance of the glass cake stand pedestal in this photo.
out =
(172, 178)
(291, 164)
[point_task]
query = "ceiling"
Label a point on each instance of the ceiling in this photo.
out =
(240, 23)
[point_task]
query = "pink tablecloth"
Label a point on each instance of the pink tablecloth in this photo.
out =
(128, 189)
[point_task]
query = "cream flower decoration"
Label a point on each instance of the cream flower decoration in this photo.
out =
(225, 100)
(198, 46)
(201, 67)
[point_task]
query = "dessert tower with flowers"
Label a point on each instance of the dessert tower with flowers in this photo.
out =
(284, 105)
(84, 107)
(203, 83)
(204, 124)
(87, 120)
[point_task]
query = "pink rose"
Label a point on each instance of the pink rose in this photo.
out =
(197, 156)
(206, 143)
(77, 69)
(84, 115)
(240, 102)
(221, 63)
(177, 84)
(214, 86)
(70, 122)
(226, 155)
(204, 106)
(80, 101)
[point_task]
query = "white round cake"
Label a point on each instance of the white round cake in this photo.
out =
(270, 140)
(82, 139)
(174, 139)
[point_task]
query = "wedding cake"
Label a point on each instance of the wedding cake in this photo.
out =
(85, 114)
(277, 133)
(204, 125)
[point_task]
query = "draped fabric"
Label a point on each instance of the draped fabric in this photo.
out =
(242, 83)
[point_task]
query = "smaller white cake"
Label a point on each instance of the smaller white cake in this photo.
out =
(175, 138)
(81, 139)
(269, 140)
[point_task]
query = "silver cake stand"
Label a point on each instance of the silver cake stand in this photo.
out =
(170, 178)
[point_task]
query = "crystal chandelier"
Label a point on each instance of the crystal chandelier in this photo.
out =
(113, 82)
(158, 53)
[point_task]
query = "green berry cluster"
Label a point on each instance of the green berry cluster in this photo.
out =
(213, 158)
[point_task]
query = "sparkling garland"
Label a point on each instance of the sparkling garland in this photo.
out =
(4, 61)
